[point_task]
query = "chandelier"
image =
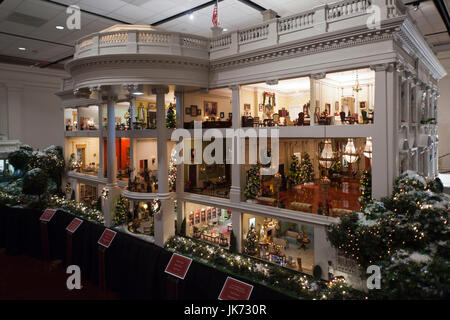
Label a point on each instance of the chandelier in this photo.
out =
(368, 148)
(350, 152)
(327, 157)
(357, 88)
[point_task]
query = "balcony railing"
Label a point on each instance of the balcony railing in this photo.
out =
(319, 20)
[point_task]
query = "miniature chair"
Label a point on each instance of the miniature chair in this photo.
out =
(301, 119)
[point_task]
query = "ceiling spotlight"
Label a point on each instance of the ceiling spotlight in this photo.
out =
(60, 27)
(191, 16)
(22, 49)
(225, 29)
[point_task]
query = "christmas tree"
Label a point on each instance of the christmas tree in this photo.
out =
(306, 169)
(171, 118)
(251, 242)
(253, 186)
(365, 189)
(294, 171)
(121, 209)
(406, 235)
(172, 172)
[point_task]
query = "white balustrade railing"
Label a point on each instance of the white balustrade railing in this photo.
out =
(347, 8)
(255, 33)
(296, 22)
(153, 37)
(221, 41)
(188, 41)
(269, 33)
(119, 37)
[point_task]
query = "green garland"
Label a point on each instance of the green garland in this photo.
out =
(278, 278)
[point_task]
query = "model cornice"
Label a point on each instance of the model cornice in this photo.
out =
(322, 43)
(414, 43)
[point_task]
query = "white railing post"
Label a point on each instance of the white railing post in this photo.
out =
(381, 4)
(175, 44)
(272, 32)
(132, 41)
(320, 18)
(96, 44)
(234, 45)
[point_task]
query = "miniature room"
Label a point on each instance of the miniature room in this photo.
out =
(288, 244)
(208, 223)
(321, 176)
(212, 107)
(82, 155)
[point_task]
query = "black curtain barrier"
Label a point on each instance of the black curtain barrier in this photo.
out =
(133, 268)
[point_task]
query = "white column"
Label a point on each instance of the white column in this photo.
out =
(179, 109)
(323, 251)
(15, 112)
(236, 222)
(314, 96)
(78, 128)
(384, 160)
(180, 168)
(164, 221)
(113, 189)
(132, 111)
(312, 104)
(101, 149)
(235, 190)
(133, 150)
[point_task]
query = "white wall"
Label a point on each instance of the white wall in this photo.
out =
(146, 149)
(444, 114)
(32, 109)
(92, 148)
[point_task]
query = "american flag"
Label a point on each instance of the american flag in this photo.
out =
(215, 19)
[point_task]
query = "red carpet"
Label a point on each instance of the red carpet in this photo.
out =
(25, 278)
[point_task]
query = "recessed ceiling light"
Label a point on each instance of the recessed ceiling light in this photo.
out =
(22, 48)
(225, 29)
(60, 27)
(191, 16)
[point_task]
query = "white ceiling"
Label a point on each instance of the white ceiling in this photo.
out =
(233, 15)
(338, 79)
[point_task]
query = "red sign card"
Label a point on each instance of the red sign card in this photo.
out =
(106, 238)
(73, 226)
(178, 266)
(235, 290)
(47, 215)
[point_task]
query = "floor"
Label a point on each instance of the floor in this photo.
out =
(340, 196)
(25, 278)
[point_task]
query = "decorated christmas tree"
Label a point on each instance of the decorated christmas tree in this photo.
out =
(172, 172)
(171, 122)
(294, 171)
(121, 208)
(253, 186)
(306, 173)
(365, 189)
(251, 242)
